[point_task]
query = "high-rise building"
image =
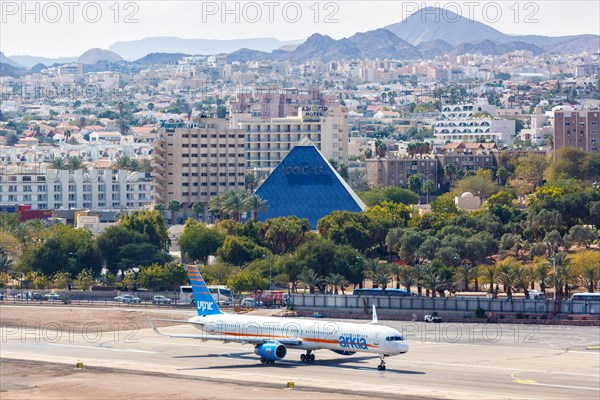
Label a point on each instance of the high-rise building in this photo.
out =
(576, 128)
(196, 160)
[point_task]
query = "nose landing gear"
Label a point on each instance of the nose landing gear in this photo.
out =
(381, 366)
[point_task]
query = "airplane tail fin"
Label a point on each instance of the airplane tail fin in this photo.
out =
(205, 303)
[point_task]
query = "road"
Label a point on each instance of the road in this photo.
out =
(459, 361)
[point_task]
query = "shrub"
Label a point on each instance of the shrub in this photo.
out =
(479, 312)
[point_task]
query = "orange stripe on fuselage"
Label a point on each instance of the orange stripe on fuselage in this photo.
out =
(314, 340)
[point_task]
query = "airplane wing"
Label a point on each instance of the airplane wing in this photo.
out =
(224, 338)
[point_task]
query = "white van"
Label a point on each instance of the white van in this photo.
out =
(536, 295)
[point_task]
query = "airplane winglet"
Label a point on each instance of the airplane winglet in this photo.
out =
(375, 320)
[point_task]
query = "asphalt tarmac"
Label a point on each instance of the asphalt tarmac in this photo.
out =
(459, 361)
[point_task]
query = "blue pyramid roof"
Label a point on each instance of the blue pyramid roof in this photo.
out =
(305, 185)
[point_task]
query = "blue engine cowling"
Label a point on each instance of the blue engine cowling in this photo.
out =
(344, 352)
(271, 351)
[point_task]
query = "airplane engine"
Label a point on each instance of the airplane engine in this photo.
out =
(344, 352)
(271, 351)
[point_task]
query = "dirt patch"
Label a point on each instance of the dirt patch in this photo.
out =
(76, 319)
(25, 380)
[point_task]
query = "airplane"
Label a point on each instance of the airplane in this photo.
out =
(272, 336)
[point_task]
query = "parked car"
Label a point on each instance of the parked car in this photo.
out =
(127, 298)
(23, 296)
(249, 302)
(52, 296)
(1, 296)
(434, 318)
(161, 300)
(38, 297)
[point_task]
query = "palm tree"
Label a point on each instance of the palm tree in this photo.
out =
(173, 206)
(123, 162)
(57, 163)
(432, 279)
(522, 278)
(542, 274)
(508, 275)
(312, 279)
(198, 208)
(216, 205)
(415, 183)
(428, 187)
(407, 277)
(250, 182)
(564, 273)
(74, 162)
(464, 274)
(337, 281)
(450, 171)
(489, 273)
(255, 203)
(235, 203)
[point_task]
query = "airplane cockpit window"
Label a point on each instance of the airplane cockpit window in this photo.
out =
(395, 338)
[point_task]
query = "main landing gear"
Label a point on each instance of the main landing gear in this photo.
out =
(381, 366)
(308, 357)
(263, 360)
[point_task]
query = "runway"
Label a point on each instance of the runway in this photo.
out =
(458, 361)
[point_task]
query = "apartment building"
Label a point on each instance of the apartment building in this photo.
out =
(269, 141)
(383, 172)
(196, 160)
(465, 156)
(92, 189)
(576, 128)
(457, 123)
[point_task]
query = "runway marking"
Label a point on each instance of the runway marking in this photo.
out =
(593, 348)
(536, 383)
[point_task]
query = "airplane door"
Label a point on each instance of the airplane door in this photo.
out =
(376, 339)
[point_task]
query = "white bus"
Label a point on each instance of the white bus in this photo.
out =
(220, 293)
(586, 296)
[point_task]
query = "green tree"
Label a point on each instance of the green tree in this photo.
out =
(336, 281)
(581, 235)
(255, 204)
(415, 183)
(198, 209)
(198, 241)
(61, 279)
(428, 187)
(240, 250)
(174, 206)
(311, 279)
(150, 223)
(285, 234)
(84, 279)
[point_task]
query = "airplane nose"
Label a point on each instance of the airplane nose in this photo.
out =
(403, 347)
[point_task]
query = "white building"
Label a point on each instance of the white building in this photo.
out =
(94, 189)
(269, 141)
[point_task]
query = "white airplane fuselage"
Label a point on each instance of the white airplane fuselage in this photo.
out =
(305, 334)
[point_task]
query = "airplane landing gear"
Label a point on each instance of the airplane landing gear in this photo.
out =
(308, 357)
(381, 366)
(263, 360)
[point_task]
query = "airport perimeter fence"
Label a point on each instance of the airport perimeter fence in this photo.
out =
(412, 303)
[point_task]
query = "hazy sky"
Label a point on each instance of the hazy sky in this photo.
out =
(68, 28)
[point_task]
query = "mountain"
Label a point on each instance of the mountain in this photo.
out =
(160, 58)
(8, 61)
(37, 68)
(92, 56)
(487, 47)
(431, 23)
(435, 48)
(136, 49)
(244, 55)
(10, 70)
(577, 45)
(381, 43)
(323, 48)
(30, 61)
